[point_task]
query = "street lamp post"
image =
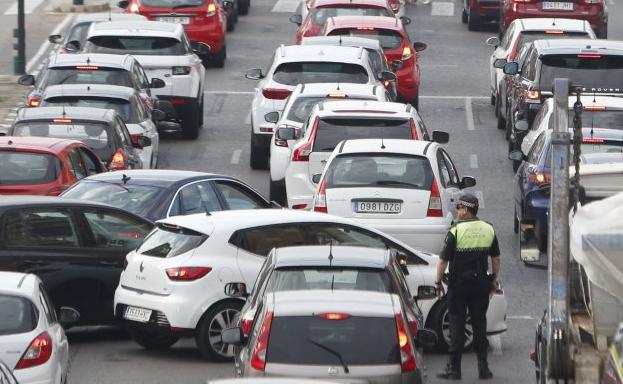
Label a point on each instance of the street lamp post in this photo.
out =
(19, 61)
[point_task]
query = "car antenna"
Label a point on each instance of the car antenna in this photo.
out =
(382, 143)
(554, 22)
(338, 86)
(64, 113)
(88, 61)
(340, 40)
(331, 263)
(125, 178)
(109, 13)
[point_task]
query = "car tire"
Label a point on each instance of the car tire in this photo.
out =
(231, 21)
(473, 21)
(438, 321)
(507, 125)
(152, 339)
(492, 99)
(220, 316)
(201, 113)
(515, 222)
(258, 158)
(191, 124)
(464, 16)
(278, 192)
(218, 60)
(243, 7)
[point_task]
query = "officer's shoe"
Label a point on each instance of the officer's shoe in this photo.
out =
(483, 368)
(450, 373)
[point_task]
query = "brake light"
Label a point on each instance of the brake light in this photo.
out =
(178, 101)
(87, 67)
(187, 273)
(593, 140)
(38, 352)
(365, 28)
(521, 1)
(414, 130)
(33, 101)
(407, 360)
(539, 178)
(337, 95)
(118, 161)
(533, 95)
(180, 71)
(320, 204)
(299, 206)
(276, 93)
(334, 316)
(302, 152)
(595, 108)
(57, 190)
(434, 203)
(258, 356)
(554, 32)
(589, 56)
(211, 10)
(407, 53)
(61, 120)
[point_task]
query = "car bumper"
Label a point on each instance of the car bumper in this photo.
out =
(408, 86)
(425, 234)
(262, 106)
(299, 188)
(490, 10)
(184, 106)
(43, 374)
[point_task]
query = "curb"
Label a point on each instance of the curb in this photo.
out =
(89, 8)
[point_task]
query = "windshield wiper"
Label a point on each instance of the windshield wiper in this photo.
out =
(185, 5)
(331, 351)
(396, 182)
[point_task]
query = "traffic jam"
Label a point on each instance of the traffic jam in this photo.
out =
(338, 274)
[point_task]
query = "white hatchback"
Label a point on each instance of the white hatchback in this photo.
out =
(404, 188)
(32, 339)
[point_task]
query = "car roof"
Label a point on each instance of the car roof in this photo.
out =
(161, 176)
(363, 108)
(76, 113)
(17, 283)
(136, 28)
(33, 201)
(325, 89)
(342, 41)
(86, 90)
(90, 59)
(325, 3)
(343, 256)
(297, 53)
(571, 46)
(312, 302)
(106, 16)
(49, 145)
(384, 22)
(549, 23)
(392, 146)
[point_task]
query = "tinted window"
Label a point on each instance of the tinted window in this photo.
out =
(167, 241)
(140, 45)
(360, 279)
(114, 230)
(17, 315)
(71, 75)
(320, 15)
(38, 228)
(122, 107)
(529, 36)
(359, 340)
(331, 131)
(320, 72)
(592, 71)
(91, 162)
(171, 3)
(238, 197)
(77, 165)
(28, 168)
(302, 106)
(387, 38)
(198, 198)
(364, 170)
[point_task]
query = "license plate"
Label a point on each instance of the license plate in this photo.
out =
(558, 6)
(177, 20)
(137, 314)
(377, 207)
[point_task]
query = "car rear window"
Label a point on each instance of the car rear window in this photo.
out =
(361, 279)
(304, 340)
(168, 241)
(367, 170)
(135, 45)
(594, 150)
(529, 36)
(121, 106)
(320, 72)
(388, 38)
(95, 75)
(23, 168)
(17, 315)
(320, 15)
(593, 71)
(611, 119)
(331, 131)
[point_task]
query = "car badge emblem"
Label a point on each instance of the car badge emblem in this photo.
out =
(140, 267)
(377, 194)
(333, 371)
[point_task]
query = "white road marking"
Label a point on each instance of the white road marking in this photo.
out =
(235, 156)
(285, 6)
(442, 9)
(481, 198)
(519, 317)
(473, 161)
(247, 120)
(10, 114)
(439, 65)
(29, 6)
(8, 119)
(495, 342)
(46, 44)
(469, 114)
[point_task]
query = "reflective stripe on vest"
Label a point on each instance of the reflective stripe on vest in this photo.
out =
(473, 235)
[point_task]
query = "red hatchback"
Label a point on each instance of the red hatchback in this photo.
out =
(476, 12)
(44, 166)
(203, 20)
(321, 10)
(593, 11)
(396, 44)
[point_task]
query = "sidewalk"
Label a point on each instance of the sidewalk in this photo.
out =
(11, 97)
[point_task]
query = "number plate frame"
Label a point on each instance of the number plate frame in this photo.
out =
(141, 315)
(557, 6)
(174, 19)
(374, 206)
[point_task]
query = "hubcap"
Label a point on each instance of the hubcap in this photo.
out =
(222, 320)
(445, 329)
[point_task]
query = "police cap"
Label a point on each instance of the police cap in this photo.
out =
(469, 201)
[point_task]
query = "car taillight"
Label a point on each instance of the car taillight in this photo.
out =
(540, 178)
(592, 140)
(258, 356)
(180, 70)
(133, 8)
(589, 56)
(434, 203)
(33, 101)
(320, 205)
(211, 10)
(57, 190)
(407, 53)
(414, 130)
(299, 206)
(303, 150)
(407, 359)
(187, 273)
(522, 1)
(118, 161)
(334, 316)
(276, 93)
(38, 352)
(533, 95)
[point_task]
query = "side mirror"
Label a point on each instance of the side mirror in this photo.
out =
(233, 336)
(387, 76)
(68, 316)
(493, 41)
(397, 64)
(441, 137)
(511, 68)
(236, 290)
(55, 39)
(499, 63)
(286, 133)
(521, 125)
(296, 19)
(467, 182)
(169, 127)
(73, 46)
(143, 141)
(426, 292)
(199, 48)
(405, 20)
(426, 338)
(316, 178)
(123, 4)
(26, 80)
(254, 74)
(158, 115)
(516, 155)
(272, 117)
(228, 5)
(419, 46)
(157, 83)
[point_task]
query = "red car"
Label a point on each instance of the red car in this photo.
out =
(593, 11)
(43, 165)
(203, 20)
(477, 12)
(321, 10)
(399, 52)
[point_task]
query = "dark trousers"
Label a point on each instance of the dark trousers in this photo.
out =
(472, 296)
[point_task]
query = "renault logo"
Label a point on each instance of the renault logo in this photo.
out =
(140, 267)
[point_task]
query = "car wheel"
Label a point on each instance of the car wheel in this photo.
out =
(152, 339)
(258, 158)
(439, 321)
(221, 316)
(473, 21)
(191, 124)
(515, 222)
(278, 192)
(201, 113)
(501, 119)
(218, 60)
(507, 125)
(243, 7)
(231, 21)
(464, 16)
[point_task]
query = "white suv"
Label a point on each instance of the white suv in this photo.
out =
(297, 64)
(333, 121)
(298, 107)
(164, 51)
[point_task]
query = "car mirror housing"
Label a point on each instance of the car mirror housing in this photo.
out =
(511, 68)
(157, 83)
(499, 63)
(233, 336)
(286, 133)
(419, 46)
(405, 20)
(426, 292)
(516, 155)
(441, 137)
(55, 39)
(296, 19)
(272, 117)
(254, 74)
(387, 76)
(26, 80)
(158, 115)
(316, 178)
(426, 338)
(493, 41)
(238, 290)
(467, 182)
(68, 316)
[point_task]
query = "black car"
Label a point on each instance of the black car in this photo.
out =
(155, 194)
(77, 248)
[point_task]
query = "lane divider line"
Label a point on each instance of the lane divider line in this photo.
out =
(442, 9)
(285, 6)
(235, 156)
(473, 161)
(469, 114)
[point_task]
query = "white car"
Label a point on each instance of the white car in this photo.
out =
(333, 121)
(405, 188)
(164, 51)
(178, 289)
(124, 100)
(297, 64)
(298, 107)
(32, 339)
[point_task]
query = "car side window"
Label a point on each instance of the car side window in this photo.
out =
(454, 174)
(123, 132)
(422, 126)
(45, 227)
(116, 230)
(78, 167)
(196, 198)
(46, 310)
(141, 76)
(538, 119)
(260, 240)
(237, 196)
(46, 303)
(529, 69)
(91, 162)
(535, 151)
(444, 171)
(508, 37)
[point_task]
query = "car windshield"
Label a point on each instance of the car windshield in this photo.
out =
(595, 150)
(599, 73)
(359, 279)
(332, 130)
(138, 199)
(22, 168)
(135, 45)
(320, 15)
(529, 36)
(173, 3)
(388, 39)
(121, 106)
(320, 72)
(368, 170)
(96, 75)
(168, 241)
(17, 315)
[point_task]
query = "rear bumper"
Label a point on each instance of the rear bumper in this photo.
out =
(489, 10)
(183, 105)
(299, 188)
(408, 85)
(425, 234)
(42, 374)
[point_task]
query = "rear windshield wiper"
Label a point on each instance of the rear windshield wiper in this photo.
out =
(331, 351)
(186, 5)
(396, 182)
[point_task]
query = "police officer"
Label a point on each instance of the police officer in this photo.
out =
(469, 244)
